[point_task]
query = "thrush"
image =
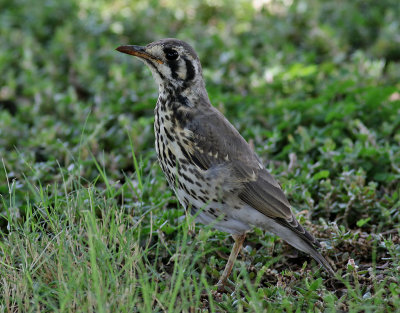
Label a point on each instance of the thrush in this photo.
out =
(213, 171)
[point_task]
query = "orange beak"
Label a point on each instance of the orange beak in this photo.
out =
(138, 51)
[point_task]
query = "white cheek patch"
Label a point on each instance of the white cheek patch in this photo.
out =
(182, 70)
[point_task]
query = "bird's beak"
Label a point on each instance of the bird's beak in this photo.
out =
(138, 51)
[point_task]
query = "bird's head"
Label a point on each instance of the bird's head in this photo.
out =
(172, 62)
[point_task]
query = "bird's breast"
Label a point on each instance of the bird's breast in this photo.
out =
(172, 143)
(195, 187)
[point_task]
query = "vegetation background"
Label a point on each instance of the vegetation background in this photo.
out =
(87, 223)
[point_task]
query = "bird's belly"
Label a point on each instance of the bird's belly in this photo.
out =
(202, 198)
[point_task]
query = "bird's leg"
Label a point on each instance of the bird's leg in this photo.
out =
(239, 239)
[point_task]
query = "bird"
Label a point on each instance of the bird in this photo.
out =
(215, 174)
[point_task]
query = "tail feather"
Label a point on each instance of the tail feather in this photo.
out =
(320, 259)
(298, 237)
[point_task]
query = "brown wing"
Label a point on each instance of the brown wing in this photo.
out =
(217, 144)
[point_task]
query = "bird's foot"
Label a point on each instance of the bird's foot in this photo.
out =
(225, 286)
(220, 286)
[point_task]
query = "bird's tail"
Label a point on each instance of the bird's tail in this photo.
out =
(299, 238)
(318, 257)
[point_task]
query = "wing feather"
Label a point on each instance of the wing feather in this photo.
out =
(218, 146)
(217, 142)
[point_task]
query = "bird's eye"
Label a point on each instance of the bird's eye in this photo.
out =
(171, 54)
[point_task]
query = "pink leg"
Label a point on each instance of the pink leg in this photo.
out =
(239, 239)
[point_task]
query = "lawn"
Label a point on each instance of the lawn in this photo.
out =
(87, 221)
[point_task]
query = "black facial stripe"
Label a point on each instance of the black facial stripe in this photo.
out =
(155, 68)
(174, 66)
(190, 71)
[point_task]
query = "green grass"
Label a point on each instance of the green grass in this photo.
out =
(87, 223)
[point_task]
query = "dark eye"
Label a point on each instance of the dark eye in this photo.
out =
(171, 54)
